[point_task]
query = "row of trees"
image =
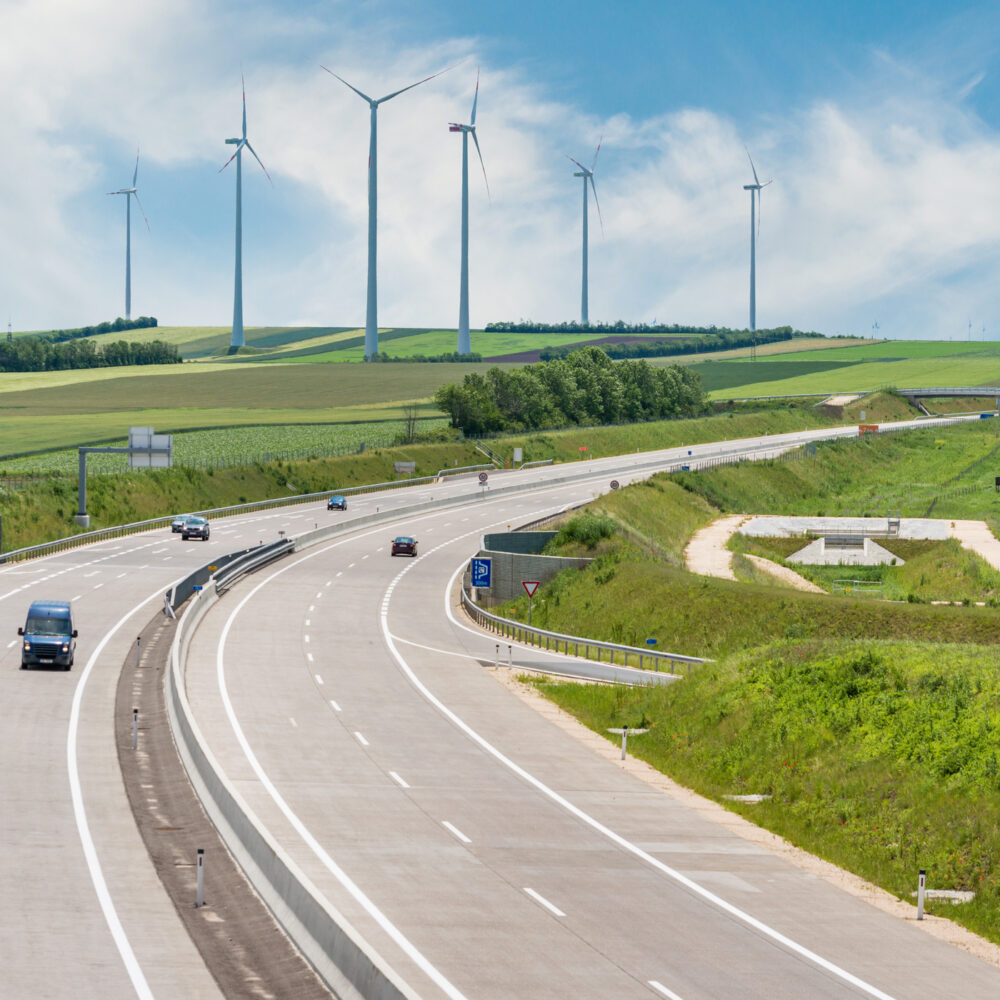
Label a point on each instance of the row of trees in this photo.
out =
(453, 357)
(721, 340)
(584, 388)
(116, 326)
(33, 354)
(530, 326)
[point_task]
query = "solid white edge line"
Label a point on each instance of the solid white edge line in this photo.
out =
(455, 830)
(135, 973)
(616, 838)
(664, 990)
(539, 898)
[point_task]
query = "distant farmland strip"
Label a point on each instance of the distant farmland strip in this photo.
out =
(717, 375)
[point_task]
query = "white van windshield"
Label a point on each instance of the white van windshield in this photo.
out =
(47, 626)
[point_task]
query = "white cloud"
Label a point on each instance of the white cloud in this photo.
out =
(885, 209)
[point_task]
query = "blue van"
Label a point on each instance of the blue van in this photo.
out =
(48, 635)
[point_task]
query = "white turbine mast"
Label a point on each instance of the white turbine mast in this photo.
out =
(754, 190)
(464, 337)
(240, 142)
(587, 175)
(371, 311)
(130, 193)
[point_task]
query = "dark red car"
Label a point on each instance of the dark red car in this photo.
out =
(404, 546)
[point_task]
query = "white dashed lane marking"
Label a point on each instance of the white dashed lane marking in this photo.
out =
(541, 899)
(399, 781)
(361, 739)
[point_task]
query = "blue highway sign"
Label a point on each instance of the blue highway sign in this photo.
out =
(482, 572)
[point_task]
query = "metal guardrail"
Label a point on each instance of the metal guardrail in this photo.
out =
(463, 468)
(535, 465)
(552, 640)
(249, 561)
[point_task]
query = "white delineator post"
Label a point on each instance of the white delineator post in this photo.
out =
(138, 651)
(200, 898)
(135, 729)
(921, 889)
(624, 740)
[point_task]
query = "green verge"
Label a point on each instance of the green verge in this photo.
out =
(880, 754)
(880, 757)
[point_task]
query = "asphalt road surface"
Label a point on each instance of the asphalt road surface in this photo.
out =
(356, 744)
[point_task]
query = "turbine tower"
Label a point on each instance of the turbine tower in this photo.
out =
(129, 193)
(754, 190)
(587, 175)
(237, 338)
(371, 311)
(464, 339)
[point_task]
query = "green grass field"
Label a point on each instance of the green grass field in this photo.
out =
(861, 367)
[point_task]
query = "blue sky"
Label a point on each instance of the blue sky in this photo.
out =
(879, 124)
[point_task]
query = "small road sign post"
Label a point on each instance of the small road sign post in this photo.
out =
(483, 477)
(615, 484)
(482, 573)
(530, 586)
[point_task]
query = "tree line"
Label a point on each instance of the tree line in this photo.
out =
(35, 354)
(115, 326)
(586, 387)
(721, 340)
(530, 326)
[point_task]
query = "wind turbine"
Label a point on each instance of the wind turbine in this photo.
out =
(587, 175)
(239, 143)
(129, 193)
(754, 190)
(371, 312)
(464, 339)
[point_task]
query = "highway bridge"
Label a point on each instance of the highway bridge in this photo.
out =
(473, 848)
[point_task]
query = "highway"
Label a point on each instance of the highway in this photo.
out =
(482, 852)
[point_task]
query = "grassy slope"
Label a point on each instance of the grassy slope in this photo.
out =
(880, 754)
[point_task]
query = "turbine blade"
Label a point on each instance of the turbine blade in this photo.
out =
(396, 93)
(475, 100)
(600, 218)
(239, 146)
(244, 83)
(346, 84)
(139, 203)
(577, 162)
(594, 164)
(756, 180)
(135, 173)
(483, 165)
(257, 158)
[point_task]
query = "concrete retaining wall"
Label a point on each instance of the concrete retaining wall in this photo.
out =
(517, 541)
(511, 568)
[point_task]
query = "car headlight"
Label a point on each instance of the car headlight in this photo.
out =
(27, 646)
(65, 647)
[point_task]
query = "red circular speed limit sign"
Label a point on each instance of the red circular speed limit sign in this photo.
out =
(483, 477)
(615, 484)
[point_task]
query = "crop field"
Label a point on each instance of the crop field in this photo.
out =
(94, 408)
(862, 367)
(339, 344)
(231, 446)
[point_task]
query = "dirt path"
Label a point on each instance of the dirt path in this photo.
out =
(785, 575)
(977, 537)
(707, 554)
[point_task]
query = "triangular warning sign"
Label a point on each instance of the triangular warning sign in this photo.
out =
(530, 586)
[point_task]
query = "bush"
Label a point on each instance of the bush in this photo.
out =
(587, 529)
